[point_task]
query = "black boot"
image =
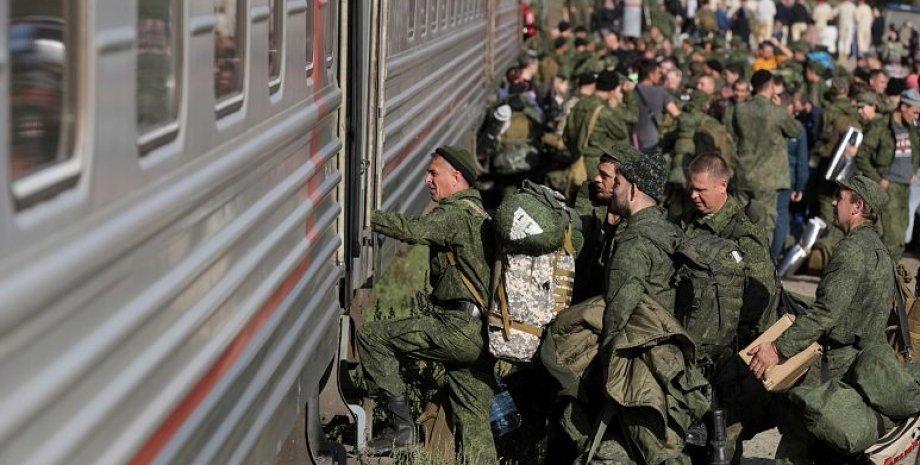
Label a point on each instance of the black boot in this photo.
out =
(400, 433)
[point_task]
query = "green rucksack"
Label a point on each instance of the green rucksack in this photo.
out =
(532, 221)
(710, 278)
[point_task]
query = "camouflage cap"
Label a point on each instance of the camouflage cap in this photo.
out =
(649, 172)
(911, 97)
(866, 98)
(870, 191)
(840, 85)
(800, 46)
(461, 160)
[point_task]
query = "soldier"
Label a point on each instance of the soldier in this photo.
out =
(852, 305)
(459, 243)
(878, 81)
(593, 119)
(716, 212)
(762, 128)
(599, 225)
(890, 155)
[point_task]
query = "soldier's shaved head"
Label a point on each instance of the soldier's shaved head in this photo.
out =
(711, 163)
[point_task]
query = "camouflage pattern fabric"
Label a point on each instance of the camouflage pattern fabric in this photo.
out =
(535, 289)
(453, 337)
(852, 305)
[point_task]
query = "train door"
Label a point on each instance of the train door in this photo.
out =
(358, 128)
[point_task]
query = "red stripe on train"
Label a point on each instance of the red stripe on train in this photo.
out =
(167, 430)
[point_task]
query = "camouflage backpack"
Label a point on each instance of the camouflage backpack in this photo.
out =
(517, 149)
(710, 279)
(534, 272)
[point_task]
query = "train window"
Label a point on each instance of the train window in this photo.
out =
(158, 57)
(43, 92)
(410, 21)
(433, 14)
(454, 11)
(332, 31)
(422, 18)
(229, 60)
(275, 42)
(444, 9)
(309, 37)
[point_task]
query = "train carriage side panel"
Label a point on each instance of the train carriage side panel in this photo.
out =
(177, 306)
(433, 92)
(507, 35)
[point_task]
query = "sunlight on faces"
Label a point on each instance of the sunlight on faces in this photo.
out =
(443, 180)
(708, 193)
(604, 180)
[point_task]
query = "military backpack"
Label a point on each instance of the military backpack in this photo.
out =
(517, 151)
(710, 279)
(534, 271)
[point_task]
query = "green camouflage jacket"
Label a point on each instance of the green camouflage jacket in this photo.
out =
(853, 299)
(876, 153)
(457, 223)
(611, 125)
(839, 115)
(731, 222)
(762, 129)
(640, 264)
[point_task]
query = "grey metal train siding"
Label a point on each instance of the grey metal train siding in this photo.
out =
(182, 307)
(436, 82)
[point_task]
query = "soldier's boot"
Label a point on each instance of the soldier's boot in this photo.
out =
(401, 433)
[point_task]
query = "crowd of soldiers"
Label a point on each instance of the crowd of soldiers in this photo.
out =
(653, 140)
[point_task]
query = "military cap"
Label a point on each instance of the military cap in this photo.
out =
(619, 151)
(649, 172)
(581, 42)
(564, 26)
(699, 98)
(870, 191)
(800, 46)
(714, 65)
(461, 160)
(586, 78)
(866, 98)
(559, 43)
(911, 97)
(607, 81)
(840, 85)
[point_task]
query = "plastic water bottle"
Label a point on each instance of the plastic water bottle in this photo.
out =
(504, 416)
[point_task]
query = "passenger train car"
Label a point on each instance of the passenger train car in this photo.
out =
(184, 228)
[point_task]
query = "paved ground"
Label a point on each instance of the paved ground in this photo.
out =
(760, 449)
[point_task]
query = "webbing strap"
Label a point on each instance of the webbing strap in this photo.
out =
(591, 124)
(496, 321)
(505, 311)
(452, 259)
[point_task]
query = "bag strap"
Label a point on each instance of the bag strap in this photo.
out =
(601, 428)
(452, 259)
(592, 123)
(496, 321)
(900, 302)
(648, 108)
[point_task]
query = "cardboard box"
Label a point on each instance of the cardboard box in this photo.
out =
(783, 376)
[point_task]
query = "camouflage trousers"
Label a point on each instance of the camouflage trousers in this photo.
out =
(895, 218)
(451, 337)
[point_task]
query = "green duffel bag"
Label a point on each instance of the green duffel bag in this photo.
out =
(532, 221)
(885, 383)
(837, 415)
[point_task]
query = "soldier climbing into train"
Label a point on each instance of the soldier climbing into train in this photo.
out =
(459, 238)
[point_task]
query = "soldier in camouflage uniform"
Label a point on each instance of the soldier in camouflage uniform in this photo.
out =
(640, 263)
(878, 81)
(454, 334)
(717, 213)
(890, 155)
(762, 128)
(852, 305)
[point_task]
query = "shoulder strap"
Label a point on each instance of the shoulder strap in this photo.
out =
(648, 108)
(900, 301)
(592, 123)
(452, 259)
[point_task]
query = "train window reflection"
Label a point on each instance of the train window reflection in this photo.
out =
(332, 32)
(42, 89)
(422, 22)
(410, 26)
(444, 9)
(275, 42)
(229, 45)
(158, 58)
(433, 14)
(309, 39)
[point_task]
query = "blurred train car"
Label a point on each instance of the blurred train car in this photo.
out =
(184, 226)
